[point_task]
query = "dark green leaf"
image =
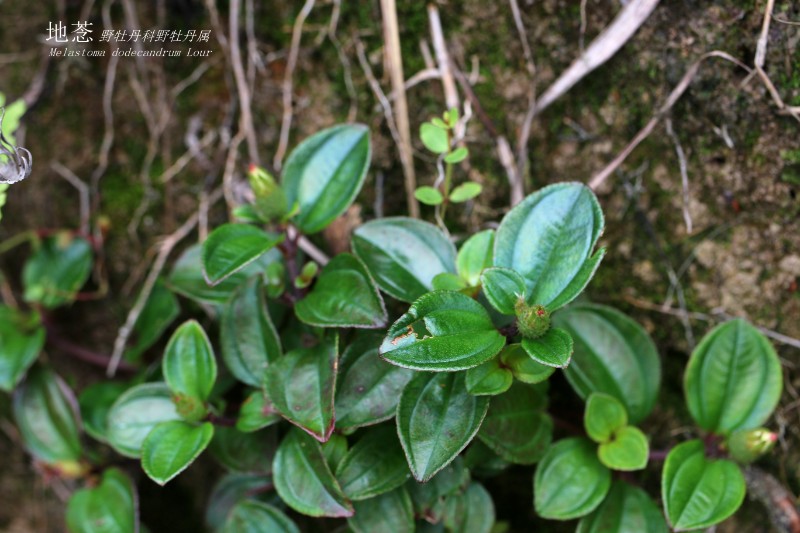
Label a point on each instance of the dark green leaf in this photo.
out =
(304, 481)
(244, 452)
(189, 368)
(442, 331)
(516, 427)
(158, 313)
(603, 416)
(301, 386)
(95, 402)
(475, 255)
(334, 450)
(547, 239)
(447, 281)
(256, 413)
(344, 296)
(391, 512)
(404, 255)
(110, 507)
(257, 517)
(325, 172)
(428, 497)
(136, 413)
(21, 340)
(231, 247)
(229, 491)
(570, 481)
(457, 155)
(48, 419)
(55, 272)
(465, 191)
(172, 446)
(503, 287)
(368, 387)
(436, 419)
(613, 354)
(434, 138)
(554, 348)
(482, 461)
(429, 195)
(489, 379)
(733, 379)
(248, 338)
(626, 450)
(698, 492)
(626, 509)
(470, 512)
(523, 367)
(375, 465)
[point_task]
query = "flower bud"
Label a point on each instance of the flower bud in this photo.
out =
(533, 321)
(270, 201)
(745, 446)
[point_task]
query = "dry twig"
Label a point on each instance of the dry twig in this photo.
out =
(687, 217)
(83, 193)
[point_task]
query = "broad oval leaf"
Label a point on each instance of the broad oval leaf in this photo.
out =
(21, 340)
(612, 354)
(136, 413)
(345, 296)
(489, 379)
(436, 419)
(172, 446)
(229, 491)
(48, 419)
(247, 336)
(429, 196)
(161, 309)
(554, 348)
(95, 402)
(189, 367)
(570, 481)
(443, 331)
(516, 427)
(54, 274)
(626, 509)
(474, 256)
(503, 287)
(324, 174)
(374, 465)
(471, 511)
(434, 138)
(334, 450)
(523, 367)
(465, 191)
(627, 450)
(391, 512)
(368, 387)
(699, 492)
(548, 238)
(304, 480)
(603, 416)
(231, 247)
(250, 516)
(301, 386)
(733, 380)
(244, 452)
(110, 507)
(404, 255)
(256, 412)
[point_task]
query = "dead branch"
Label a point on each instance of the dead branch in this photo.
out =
(443, 61)
(687, 217)
(242, 87)
(779, 502)
(83, 193)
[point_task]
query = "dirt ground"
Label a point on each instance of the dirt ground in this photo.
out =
(742, 164)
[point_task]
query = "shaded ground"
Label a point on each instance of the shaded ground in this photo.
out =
(741, 258)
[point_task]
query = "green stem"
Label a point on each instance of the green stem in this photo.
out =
(448, 178)
(16, 240)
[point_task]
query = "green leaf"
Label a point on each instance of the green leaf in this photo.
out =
(187, 276)
(434, 138)
(580, 281)
(547, 238)
(136, 413)
(612, 354)
(465, 191)
(391, 512)
(516, 427)
(48, 419)
(475, 255)
(54, 274)
(698, 492)
(301, 386)
(368, 387)
(248, 338)
(256, 413)
(21, 339)
(427, 497)
(171, 447)
(523, 367)
(429, 195)
(733, 380)
(230, 490)
(482, 461)
(110, 507)
(304, 480)
(626, 450)
(334, 450)
(442, 331)
(244, 452)
(324, 174)
(189, 368)
(626, 509)
(231, 247)
(404, 255)
(554, 348)
(470, 512)
(159, 312)
(603, 416)
(257, 517)
(503, 287)
(448, 282)
(95, 402)
(436, 419)
(373, 466)
(345, 296)
(488, 379)
(570, 481)
(457, 155)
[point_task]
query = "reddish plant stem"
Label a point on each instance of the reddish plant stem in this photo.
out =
(79, 352)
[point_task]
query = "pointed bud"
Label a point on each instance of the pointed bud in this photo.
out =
(745, 446)
(533, 321)
(270, 201)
